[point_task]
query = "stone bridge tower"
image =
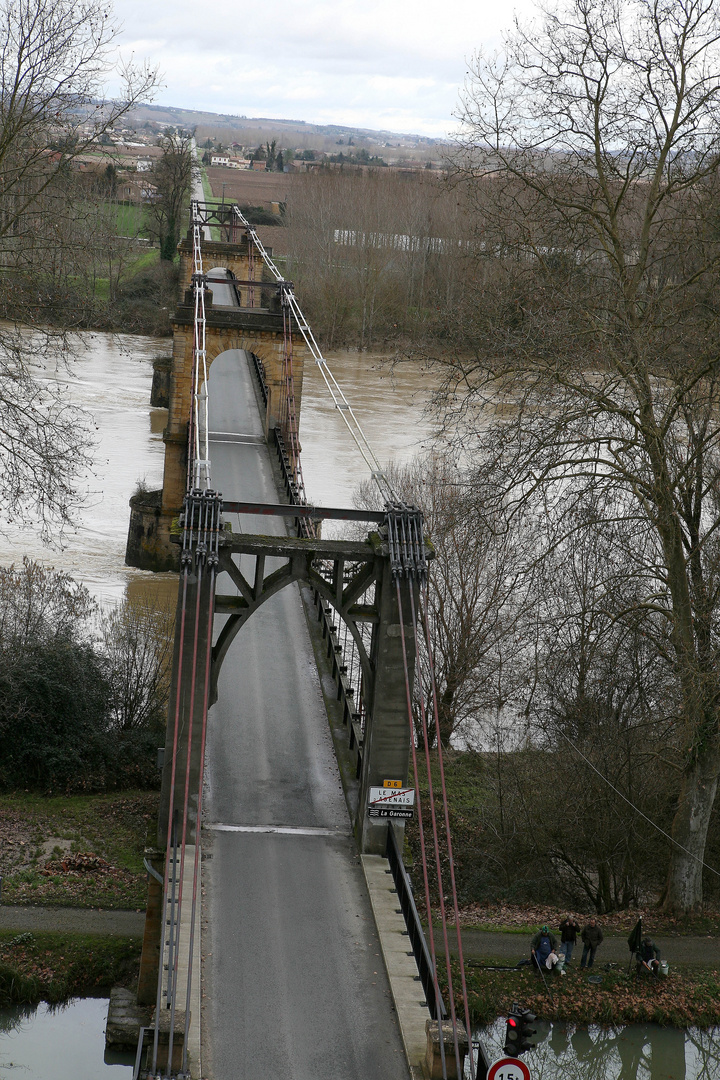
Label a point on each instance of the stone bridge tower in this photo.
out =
(255, 324)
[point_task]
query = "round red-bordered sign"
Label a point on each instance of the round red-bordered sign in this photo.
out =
(508, 1068)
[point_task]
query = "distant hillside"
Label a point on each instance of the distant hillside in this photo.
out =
(247, 130)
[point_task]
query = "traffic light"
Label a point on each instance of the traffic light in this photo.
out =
(518, 1031)
(527, 1018)
(512, 1034)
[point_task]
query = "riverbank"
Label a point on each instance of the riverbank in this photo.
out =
(687, 998)
(46, 957)
(83, 851)
(54, 966)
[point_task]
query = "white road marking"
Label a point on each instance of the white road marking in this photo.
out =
(236, 437)
(289, 830)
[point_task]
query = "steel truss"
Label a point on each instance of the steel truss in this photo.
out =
(355, 570)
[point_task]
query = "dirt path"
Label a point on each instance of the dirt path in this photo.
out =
(72, 920)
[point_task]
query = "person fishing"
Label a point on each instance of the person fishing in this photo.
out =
(541, 946)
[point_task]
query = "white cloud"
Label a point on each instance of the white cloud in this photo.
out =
(364, 63)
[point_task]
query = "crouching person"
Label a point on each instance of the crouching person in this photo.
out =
(542, 945)
(647, 957)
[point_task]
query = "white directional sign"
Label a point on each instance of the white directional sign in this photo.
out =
(391, 802)
(508, 1068)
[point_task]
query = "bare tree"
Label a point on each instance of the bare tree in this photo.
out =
(53, 62)
(138, 641)
(172, 176)
(54, 58)
(591, 147)
(474, 597)
(377, 253)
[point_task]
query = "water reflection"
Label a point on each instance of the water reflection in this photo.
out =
(635, 1052)
(59, 1042)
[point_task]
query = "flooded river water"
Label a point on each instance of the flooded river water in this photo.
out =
(111, 379)
(59, 1042)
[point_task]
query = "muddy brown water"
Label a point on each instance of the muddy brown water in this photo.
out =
(59, 1042)
(111, 379)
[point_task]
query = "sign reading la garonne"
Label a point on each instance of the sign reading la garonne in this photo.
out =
(391, 802)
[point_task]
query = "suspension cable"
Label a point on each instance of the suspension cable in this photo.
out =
(423, 847)
(166, 875)
(340, 401)
(446, 813)
(199, 461)
(196, 868)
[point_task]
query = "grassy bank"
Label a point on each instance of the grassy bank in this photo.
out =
(76, 851)
(685, 998)
(54, 967)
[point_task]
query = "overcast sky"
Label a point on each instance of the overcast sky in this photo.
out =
(382, 64)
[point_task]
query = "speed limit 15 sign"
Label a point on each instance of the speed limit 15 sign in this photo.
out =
(508, 1068)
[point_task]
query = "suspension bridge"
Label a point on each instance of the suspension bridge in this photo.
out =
(282, 938)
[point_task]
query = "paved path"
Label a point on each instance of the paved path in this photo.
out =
(72, 920)
(482, 946)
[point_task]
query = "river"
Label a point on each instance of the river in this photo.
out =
(111, 379)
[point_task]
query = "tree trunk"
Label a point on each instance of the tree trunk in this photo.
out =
(689, 829)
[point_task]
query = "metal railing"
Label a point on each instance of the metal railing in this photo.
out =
(413, 924)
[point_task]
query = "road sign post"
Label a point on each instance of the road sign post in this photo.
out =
(508, 1068)
(391, 802)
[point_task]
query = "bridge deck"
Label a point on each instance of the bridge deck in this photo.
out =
(293, 973)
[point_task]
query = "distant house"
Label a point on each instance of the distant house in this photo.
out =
(137, 191)
(144, 164)
(258, 166)
(216, 159)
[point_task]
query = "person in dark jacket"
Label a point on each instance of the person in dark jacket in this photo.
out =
(592, 936)
(569, 930)
(541, 946)
(647, 957)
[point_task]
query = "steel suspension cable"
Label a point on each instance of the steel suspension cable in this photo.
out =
(166, 875)
(446, 810)
(340, 401)
(436, 842)
(421, 828)
(186, 799)
(196, 868)
(199, 462)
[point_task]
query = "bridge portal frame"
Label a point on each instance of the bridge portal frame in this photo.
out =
(386, 739)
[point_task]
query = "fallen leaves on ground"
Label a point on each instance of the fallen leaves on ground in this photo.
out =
(510, 916)
(683, 999)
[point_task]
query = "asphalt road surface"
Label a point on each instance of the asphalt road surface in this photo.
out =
(293, 976)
